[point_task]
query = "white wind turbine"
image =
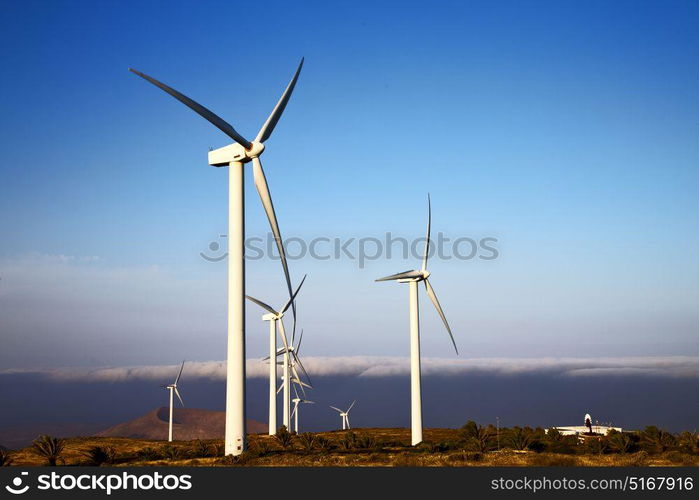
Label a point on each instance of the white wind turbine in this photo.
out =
(235, 156)
(273, 317)
(172, 388)
(412, 278)
(290, 374)
(298, 401)
(345, 415)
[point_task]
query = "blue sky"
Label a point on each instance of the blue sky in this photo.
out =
(566, 130)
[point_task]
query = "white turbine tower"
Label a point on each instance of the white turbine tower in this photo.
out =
(295, 413)
(412, 278)
(172, 388)
(345, 415)
(235, 156)
(290, 373)
(273, 317)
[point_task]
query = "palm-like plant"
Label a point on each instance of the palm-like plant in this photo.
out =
(283, 437)
(98, 455)
(519, 439)
(478, 437)
(307, 441)
(620, 442)
(5, 458)
(657, 439)
(49, 447)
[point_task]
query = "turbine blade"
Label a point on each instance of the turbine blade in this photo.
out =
(283, 336)
(400, 276)
(348, 409)
(267, 129)
(336, 409)
(261, 304)
(293, 297)
(212, 118)
(433, 298)
(427, 240)
(266, 197)
(303, 369)
(281, 386)
(298, 346)
(178, 396)
(179, 374)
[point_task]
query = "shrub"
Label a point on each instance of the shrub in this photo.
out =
(98, 455)
(323, 444)
(171, 452)
(49, 447)
(689, 442)
(621, 442)
(476, 437)
(656, 440)
(518, 438)
(365, 441)
(201, 449)
(260, 449)
(5, 458)
(307, 441)
(284, 437)
(149, 454)
(597, 445)
(348, 441)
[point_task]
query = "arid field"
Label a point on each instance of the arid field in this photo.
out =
(375, 448)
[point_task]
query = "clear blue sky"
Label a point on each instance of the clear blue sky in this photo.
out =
(566, 130)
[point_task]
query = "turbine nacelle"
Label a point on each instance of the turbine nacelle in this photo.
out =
(421, 277)
(222, 157)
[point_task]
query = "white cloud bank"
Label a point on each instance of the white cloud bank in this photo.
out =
(376, 366)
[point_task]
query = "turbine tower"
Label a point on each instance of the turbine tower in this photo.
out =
(235, 156)
(273, 317)
(345, 415)
(413, 278)
(172, 388)
(295, 413)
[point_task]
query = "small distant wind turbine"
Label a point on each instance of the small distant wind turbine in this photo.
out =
(275, 317)
(413, 277)
(295, 413)
(345, 415)
(173, 390)
(235, 156)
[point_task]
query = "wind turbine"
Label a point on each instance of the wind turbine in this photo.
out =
(298, 401)
(273, 317)
(235, 156)
(290, 373)
(345, 415)
(173, 390)
(413, 278)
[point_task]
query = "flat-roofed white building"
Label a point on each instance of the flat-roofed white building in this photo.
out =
(572, 430)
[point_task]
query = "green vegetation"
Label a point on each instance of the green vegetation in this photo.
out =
(472, 445)
(49, 448)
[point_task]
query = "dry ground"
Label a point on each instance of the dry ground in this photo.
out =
(392, 450)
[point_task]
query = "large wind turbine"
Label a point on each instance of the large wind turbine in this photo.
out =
(235, 156)
(273, 317)
(345, 415)
(173, 390)
(412, 278)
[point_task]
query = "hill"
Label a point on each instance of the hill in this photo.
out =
(188, 424)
